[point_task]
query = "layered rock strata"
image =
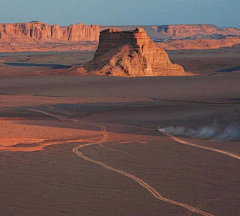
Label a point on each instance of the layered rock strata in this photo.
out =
(184, 31)
(38, 36)
(200, 43)
(82, 32)
(43, 32)
(162, 32)
(131, 53)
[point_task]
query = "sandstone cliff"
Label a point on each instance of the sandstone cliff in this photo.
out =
(38, 36)
(199, 43)
(82, 32)
(131, 53)
(184, 31)
(180, 31)
(44, 32)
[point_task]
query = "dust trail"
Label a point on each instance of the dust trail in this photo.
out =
(199, 146)
(214, 131)
(136, 179)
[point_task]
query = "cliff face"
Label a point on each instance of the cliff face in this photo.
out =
(42, 31)
(34, 30)
(184, 31)
(180, 31)
(200, 43)
(131, 53)
(82, 32)
(36, 36)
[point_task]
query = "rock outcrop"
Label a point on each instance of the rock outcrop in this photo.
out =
(184, 31)
(38, 36)
(43, 32)
(131, 53)
(162, 32)
(82, 32)
(34, 30)
(200, 43)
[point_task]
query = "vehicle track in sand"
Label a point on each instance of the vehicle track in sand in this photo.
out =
(76, 150)
(201, 205)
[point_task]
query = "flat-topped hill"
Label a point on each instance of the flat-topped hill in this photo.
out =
(131, 53)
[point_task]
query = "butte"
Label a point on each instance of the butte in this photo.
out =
(129, 54)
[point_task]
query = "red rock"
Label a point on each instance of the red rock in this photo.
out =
(184, 31)
(82, 32)
(22, 36)
(56, 32)
(42, 31)
(131, 53)
(200, 43)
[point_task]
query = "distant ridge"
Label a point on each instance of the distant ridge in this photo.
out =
(36, 30)
(39, 36)
(161, 32)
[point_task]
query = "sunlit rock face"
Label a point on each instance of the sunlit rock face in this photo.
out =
(42, 31)
(131, 53)
(81, 32)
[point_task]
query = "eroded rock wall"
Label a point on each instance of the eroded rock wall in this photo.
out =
(42, 31)
(131, 53)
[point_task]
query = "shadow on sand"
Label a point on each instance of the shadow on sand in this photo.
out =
(53, 66)
(228, 70)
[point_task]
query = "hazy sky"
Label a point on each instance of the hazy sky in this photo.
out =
(122, 12)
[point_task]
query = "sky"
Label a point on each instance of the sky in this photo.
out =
(224, 13)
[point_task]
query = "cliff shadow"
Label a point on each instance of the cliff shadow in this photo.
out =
(53, 66)
(228, 70)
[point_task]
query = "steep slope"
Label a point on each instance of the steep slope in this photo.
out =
(184, 31)
(38, 36)
(131, 53)
(81, 32)
(43, 32)
(33, 30)
(162, 32)
(199, 43)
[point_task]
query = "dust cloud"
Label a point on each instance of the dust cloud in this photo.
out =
(214, 131)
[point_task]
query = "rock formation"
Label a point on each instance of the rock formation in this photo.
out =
(82, 32)
(183, 31)
(34, 30)
(199, 43)
(162, 32)
(41, 31)
(38, 36)
(131, 53)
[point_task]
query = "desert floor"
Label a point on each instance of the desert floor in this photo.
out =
(90, 146)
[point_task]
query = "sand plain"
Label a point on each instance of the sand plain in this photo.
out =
(46, 120)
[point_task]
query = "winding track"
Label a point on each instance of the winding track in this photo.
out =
(138, 180)
(76, 150)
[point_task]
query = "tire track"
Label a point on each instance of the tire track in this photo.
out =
(76, 150)
(136, 179)
(201, 205)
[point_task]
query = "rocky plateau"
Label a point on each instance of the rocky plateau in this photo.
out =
(38, 36)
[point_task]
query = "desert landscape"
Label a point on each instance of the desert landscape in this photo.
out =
(123, 120)
(39, 36)
(46, 120)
